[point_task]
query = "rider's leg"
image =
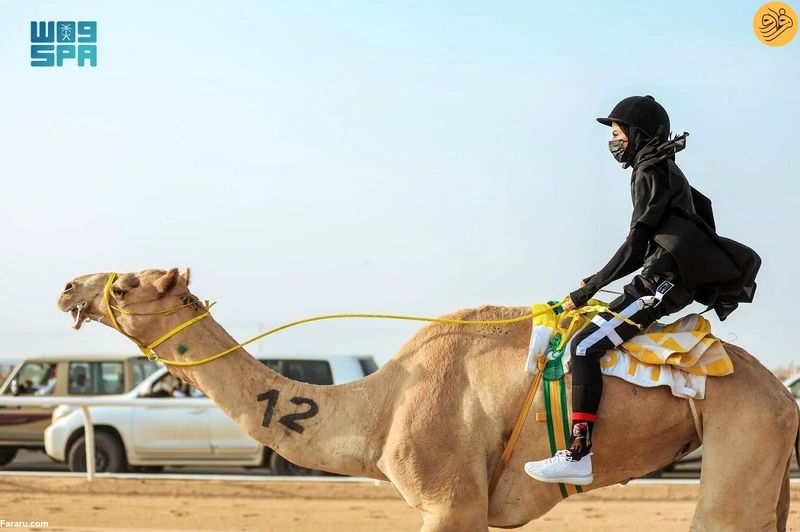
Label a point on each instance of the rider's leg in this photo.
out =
(606, 331)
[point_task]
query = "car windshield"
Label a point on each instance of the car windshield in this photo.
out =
(5, 371)
(141, 369)
(34, 378)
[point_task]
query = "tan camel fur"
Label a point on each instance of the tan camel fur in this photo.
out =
(434, 419)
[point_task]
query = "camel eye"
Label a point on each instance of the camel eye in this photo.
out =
(117, 291)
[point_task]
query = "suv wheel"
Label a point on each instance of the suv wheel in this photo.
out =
(7, 454)
(282, 467)
(108, 453)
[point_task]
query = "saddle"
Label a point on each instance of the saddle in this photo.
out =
(681, 354)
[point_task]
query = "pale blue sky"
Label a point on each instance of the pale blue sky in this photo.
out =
(315, 157)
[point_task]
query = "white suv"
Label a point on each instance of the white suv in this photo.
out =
(149, 438)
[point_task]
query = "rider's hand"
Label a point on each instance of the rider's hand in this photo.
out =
(583, 283)
(568, 305)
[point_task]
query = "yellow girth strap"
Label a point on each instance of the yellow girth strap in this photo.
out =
(520, 423)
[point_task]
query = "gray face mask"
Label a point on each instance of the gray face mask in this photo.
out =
(617, 149)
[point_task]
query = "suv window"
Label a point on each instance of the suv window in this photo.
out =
(795, 388)
(141, 369)
(368, 365)
(34, 378)
(308, 371)
(171, 386)
(96, 378)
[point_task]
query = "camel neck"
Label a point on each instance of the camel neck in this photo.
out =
(335, 428)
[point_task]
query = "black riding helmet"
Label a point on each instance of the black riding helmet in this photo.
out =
(643, 120)
(643, 113)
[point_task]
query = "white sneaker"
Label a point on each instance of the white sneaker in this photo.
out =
(562, 468)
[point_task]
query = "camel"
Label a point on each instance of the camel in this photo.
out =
(434, 419)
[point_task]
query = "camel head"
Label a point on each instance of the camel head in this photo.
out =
(144, 293)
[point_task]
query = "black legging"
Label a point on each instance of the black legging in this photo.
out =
(591, 342)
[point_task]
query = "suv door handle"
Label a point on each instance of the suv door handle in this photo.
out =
(196, 411)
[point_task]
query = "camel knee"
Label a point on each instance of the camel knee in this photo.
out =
(458, 508)
(454, 519)
(734, 524)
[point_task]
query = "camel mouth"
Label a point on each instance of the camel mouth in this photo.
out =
(78, 315)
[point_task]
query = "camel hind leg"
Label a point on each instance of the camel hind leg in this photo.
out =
(782, 512)
(750, 424)
(785, 498)
(743, 483)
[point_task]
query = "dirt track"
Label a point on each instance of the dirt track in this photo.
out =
(149, 504)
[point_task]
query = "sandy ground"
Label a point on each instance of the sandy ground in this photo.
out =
(156, 504)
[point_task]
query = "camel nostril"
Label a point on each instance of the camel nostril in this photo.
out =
(69, 287)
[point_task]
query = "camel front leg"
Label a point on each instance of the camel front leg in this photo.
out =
(459, 504)
(449, 488)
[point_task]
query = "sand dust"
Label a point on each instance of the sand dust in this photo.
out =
(155, 504)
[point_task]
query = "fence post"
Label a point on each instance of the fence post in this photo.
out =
(88, 438)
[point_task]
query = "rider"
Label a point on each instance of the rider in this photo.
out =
(673, 238)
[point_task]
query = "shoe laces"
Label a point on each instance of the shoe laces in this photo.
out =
(561, 456)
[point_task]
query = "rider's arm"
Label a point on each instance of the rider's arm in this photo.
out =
(628, 258)
(650, 191)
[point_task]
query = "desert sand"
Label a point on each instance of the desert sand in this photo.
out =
(198, 504)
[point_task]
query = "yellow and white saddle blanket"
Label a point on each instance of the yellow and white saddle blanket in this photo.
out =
(679, 355)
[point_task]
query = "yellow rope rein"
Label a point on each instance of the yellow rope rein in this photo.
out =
(147, 350)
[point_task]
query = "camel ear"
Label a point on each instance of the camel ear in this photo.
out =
(187, 274)
(166, 282)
